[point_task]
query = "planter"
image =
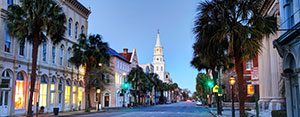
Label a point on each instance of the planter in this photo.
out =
(55, 111)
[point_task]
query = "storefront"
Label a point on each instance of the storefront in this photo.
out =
(20, 91)
(67, 103)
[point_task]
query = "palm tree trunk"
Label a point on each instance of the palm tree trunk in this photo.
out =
(87, 89)
(35, 46)
(241, 84)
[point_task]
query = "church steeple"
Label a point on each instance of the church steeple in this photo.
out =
(157, 40)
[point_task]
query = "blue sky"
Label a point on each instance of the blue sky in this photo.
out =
(134, 23)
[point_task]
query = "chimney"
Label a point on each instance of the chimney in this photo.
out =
(125, 50)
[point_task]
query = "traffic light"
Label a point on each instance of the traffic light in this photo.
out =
(210, 83)
(125, 85)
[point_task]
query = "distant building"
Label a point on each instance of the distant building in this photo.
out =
(120, 67)
(59, 84)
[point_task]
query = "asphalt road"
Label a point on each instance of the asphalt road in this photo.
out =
(181, 109)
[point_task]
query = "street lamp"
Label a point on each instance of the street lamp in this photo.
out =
(98, 92)
(232, 82)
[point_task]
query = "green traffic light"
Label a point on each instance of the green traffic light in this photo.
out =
(210, 84)
(126, 85)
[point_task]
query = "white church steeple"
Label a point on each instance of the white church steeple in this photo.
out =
(158, 59)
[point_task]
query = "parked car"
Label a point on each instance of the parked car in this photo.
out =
(199, 103)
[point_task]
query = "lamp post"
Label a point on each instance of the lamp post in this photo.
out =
(232, 82)
(98, 92)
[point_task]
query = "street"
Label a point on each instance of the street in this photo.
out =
(181, 109)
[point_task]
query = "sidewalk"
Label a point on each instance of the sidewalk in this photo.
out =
(66, 114)
(227, 112)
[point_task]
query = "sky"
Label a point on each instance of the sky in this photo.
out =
(134, 24)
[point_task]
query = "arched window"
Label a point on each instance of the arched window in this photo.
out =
(82, 29)
(53, 54)
(74, 92)
(70, 27)
(69, 56)
(52, 90)
(76, 30)
(43, 91)
(60, 90)
(19, 92)
(5, 88)
(7, 43)
(68, 92)
(44, 51)
(61, 56)
(5, 80)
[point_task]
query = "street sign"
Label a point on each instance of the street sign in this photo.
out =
(216, 89)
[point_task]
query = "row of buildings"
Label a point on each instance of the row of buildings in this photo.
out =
(59, 83)
(274, 73)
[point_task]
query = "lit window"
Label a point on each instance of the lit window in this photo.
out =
(53, 54)
(60, 90)
(21, 48)
(19, 94)
(74, 92)
(44, 56)
(61, 55)
(80, 92)
(52, 90)
(67, 92)
(7, 41)
(249, 64)
(43, 91)
(76, 30)
(70, 27)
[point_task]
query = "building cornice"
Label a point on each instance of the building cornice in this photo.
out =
(77, 6)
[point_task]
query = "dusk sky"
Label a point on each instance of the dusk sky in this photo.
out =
(134, 24)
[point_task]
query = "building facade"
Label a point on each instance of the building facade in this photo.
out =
(59, 84)
(270, 67)
(288, 45)
(112, 95)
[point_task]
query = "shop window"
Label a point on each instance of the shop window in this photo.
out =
(52, 90)
(74, 91)
(19, 94)
(67, 92)
(60, 90)
(43, 91)
(80, 94)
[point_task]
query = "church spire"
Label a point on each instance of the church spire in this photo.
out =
(157, 40)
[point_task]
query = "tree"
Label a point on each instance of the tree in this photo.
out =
(90, 53)
(136, 77)
(35, 21)
(239, 24)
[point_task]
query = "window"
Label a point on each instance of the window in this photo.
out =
(67, 92)
(19, 94)
(76, 30)
(60, 90)
(52, 90)
(10, 2)
(82, 29)
(61, 55)
(70, 27)
(288, 9)
(53, 54)
(156, 68)
(7, 41)
(249, 64)
(69, 56)
(162, 69)
(43, 91)
(44, 52)
(21, 48)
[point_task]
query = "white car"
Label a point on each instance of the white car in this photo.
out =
(199, 103)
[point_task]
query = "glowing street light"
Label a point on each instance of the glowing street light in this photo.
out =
(232, 82)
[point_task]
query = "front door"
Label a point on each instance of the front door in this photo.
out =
(4, 102)
(295, 96)
(106, 102)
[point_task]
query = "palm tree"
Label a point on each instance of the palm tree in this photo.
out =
(35, 21)
(153, 78)
(90, 53)
(238, 23)
(135, 78)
